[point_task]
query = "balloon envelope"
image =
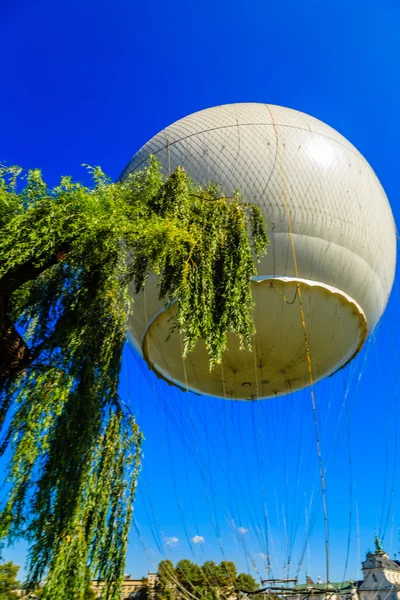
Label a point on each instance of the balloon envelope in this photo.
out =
(332, 248)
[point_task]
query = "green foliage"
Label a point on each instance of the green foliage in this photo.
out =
(198, 242)
(189, 574)
(246, 583)
(144, 592)
(67, 257)
(90, 594)
(8, 581)
(188, 580)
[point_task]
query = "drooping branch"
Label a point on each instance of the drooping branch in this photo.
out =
(75, 452)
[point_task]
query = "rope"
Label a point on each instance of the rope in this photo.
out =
(350, 485)
(396, 418)
(306, 343)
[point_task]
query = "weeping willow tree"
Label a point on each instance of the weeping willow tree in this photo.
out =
(67, 258)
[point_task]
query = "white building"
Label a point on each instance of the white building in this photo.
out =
(381, 581)
(381, 576)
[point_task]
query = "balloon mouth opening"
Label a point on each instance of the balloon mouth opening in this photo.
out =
(290, 315)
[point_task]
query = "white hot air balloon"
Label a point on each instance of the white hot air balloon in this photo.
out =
(332, 236)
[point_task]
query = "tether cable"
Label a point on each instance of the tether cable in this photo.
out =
(306, 343)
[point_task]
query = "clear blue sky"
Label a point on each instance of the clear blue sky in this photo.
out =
(91, 81)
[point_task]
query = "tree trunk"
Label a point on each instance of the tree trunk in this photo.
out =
(15, 355)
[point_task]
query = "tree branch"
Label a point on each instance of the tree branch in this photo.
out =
(15, 355)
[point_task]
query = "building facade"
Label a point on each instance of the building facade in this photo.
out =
(381, 577)
(131, 588)
(381, 581)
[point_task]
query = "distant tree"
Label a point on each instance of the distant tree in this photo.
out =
(211, 571)
(143, 593)
(246, 583)
(211, 578)
(90, 594)
(190, 576)
(166, 579)
(227, 577)
(8, 581)
(208, 582)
